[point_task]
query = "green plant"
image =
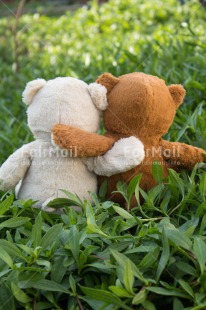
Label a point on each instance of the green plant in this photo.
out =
(104, 257)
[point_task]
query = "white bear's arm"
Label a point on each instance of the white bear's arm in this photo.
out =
(15, 168)
(124, 155)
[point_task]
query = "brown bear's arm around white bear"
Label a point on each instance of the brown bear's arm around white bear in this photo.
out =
(124, 155)
(182, 155)
(79, 142)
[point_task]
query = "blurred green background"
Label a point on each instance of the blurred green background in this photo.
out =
(84, 39)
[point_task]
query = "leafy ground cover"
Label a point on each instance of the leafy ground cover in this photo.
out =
(105, 257)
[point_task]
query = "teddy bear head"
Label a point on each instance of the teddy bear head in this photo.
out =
(140, 104)
(63, 100)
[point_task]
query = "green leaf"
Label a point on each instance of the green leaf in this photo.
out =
(6, 258)
(128, 277)
(186, 287)
(14, 222)
(157, 172)
(167, 292)
(132, 185)
(188, 269)
(43, 305)
(177, 305)
(6, 204)
(103, 189)
(148, 305)
(164, 256)
(72, 284)
(58, 203)
(199, 250)
(19, 294)
(199, 297)
(73, 198)
(176, 180)
(178, 238)
(11, 249)
(84, 255)
(140, 297)
(57, 273)
(105, 296)
(202, 186)
(2, 273)
(126, 215)
(6, 298)
(150, 258)
(43, 284)
(91, 223)
(72, 216)
(25, 249)
(51, 237)
(36, 230)
(122, 260)
(188, 228)
(93, 228)
(51, 286)
(203, 281)
(119, 291)
(74, 242)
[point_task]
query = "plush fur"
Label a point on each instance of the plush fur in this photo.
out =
(133, 153)
(43, 168)
(86, 145)
(31, 89)
(143, 106)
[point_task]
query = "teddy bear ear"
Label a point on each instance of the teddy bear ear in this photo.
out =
(98, 94)
(108, 80)
(31, 89)
(178, 93)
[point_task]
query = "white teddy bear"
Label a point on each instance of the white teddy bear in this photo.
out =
(43, 168)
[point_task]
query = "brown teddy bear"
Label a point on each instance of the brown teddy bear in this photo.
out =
(139, 105)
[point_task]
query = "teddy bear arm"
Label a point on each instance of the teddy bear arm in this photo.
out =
(14, 168)
(80, 142)
(126, 154)
(181, 154)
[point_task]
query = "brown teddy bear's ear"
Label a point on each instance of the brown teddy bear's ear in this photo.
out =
(108, 80)
(178, 93)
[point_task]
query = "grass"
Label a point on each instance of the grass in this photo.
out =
(153, 256)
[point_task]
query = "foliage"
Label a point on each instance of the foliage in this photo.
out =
(104, 257)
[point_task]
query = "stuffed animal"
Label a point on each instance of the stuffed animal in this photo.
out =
(143, 106)
(42, 168)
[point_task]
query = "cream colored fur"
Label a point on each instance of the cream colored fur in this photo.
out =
(122, 157)
(41, 167)
(98, 94)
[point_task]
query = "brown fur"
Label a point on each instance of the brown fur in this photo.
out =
(142, 105)
(81, 143)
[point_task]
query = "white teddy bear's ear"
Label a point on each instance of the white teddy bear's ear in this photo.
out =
(98, 94)
(31, 89)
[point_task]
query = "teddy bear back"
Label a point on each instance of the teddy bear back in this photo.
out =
(140, 104)
(63, 100)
